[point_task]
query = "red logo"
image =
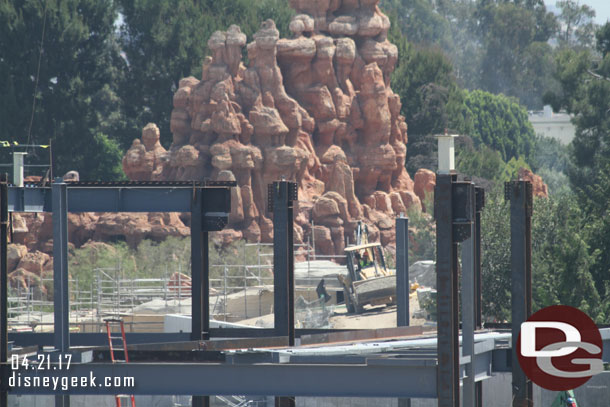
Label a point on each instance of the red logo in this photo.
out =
(560, 348)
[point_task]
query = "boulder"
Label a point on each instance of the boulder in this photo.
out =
(323, 241)
(325, 207)
(14, 254)
(225, 237)
(33, 262)
(425, 181)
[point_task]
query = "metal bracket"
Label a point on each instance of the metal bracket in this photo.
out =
(507, 186)
(462, 214)
(216, 208)
(293, 191)
(529, 194)
(228, 184)
(273, 188)
(270, 199)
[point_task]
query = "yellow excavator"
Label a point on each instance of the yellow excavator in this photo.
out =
(369, 282)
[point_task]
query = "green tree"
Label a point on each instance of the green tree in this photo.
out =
(551, 160)
(481, 162)
(424, 80)
(578, 28)
(420, 22)
(59, 69)
(585, 93)
(562, 264)
(495, 258)
(515, 52)
(500, 123)
(602, 37)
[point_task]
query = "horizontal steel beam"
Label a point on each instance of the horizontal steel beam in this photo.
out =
(100, 339)
(406, 371)
(94, 339)
(417, 380)
(117, 199)
(408, 368)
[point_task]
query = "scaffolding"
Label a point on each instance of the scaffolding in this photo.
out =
(110, 293)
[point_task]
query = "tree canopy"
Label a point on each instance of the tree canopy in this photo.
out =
(499, 123)
(59, 70)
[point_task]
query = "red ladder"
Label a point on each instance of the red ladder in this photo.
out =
(111, 338)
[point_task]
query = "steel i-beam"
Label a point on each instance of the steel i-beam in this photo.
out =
(200, 315)
(402, 281)
(480, 204)
(3, 289)
(60, 266)
(61, 293)
(469, 304)
(402, 271)
(281, 195)
(454, 214)
(446, 251)
(519, 193)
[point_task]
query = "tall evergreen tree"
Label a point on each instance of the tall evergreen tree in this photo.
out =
(59, 70)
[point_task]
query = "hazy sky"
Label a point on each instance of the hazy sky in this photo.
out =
(601, 7)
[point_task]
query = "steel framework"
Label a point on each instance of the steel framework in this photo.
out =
(199, 364)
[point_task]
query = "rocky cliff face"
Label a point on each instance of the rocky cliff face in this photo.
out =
(316, 108)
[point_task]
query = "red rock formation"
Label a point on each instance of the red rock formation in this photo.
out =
(425, 181)
(145, 158)
(316, 108)
(15, 252)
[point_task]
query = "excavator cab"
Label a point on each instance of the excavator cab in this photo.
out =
(368, 280)
(366, 261)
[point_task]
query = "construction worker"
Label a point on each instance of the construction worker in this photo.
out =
(365, 261)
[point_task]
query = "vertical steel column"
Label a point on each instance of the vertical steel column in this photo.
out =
(200, 401)
(3, 289)
(520, 195)
(285, 402)
(203, 302)
(200, 288)
(281, 195)
(197, 260)
(60, 266)
(469, 305)
(402, 271)
(61, 295)
(291, 188)
(480, 204)
(446, 275)
(528, 267)
(402, 281)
